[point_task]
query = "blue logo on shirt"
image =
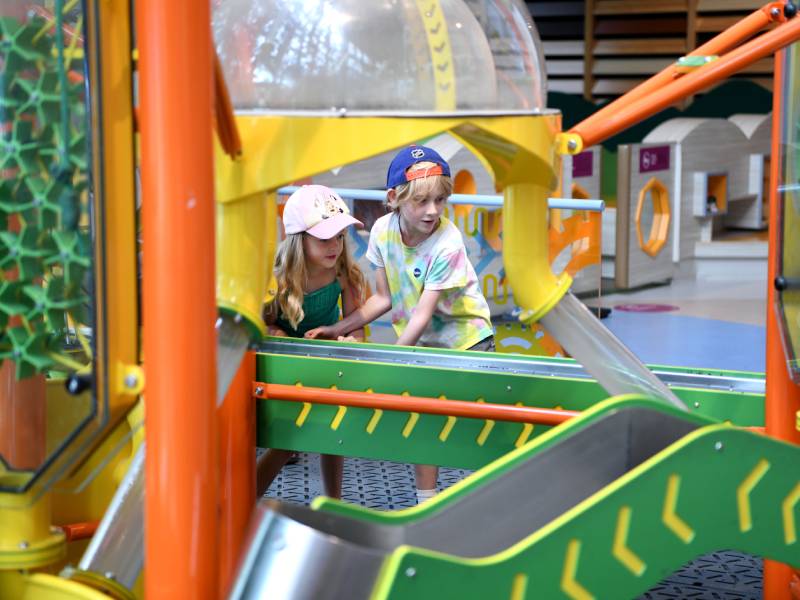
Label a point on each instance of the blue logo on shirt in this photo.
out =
(417, 272)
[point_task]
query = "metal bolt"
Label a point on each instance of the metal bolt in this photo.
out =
(718, 446)
(131, 381)
(697, 405)
(340, 373)
(109, 575)
(572, 145)
(410, 572)
(340, 441)
(259, 390)
(24, 544)
(508, 388)
(775, 12)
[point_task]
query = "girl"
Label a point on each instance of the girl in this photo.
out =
(422, 271)
(313, 270)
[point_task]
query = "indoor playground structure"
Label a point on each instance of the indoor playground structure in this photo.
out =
(143, 149)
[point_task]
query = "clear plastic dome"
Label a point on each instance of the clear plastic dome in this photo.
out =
(398, 56)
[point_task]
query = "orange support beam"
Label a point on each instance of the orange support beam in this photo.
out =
(176, 80)
(718, 45)
(783, 396)
(431, 406)
(593, 131)
(237, 441)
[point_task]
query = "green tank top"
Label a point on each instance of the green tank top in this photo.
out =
(320, 307)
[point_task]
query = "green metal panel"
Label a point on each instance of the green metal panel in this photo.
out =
(716, 488)
(425, 439)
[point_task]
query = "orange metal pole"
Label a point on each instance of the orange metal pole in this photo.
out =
(783, 396)
(721, 43)
(237, 422)
(734, 61)
(182, 499)
(432, 406)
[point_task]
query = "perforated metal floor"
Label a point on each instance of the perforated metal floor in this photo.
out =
(381, 485)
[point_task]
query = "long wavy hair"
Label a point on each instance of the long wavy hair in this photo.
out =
(292, 277)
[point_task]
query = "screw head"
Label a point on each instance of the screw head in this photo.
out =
(24, 545)
(508, 388)
(718, 446)
(259, 390)
(411, 572)
(131, 381)
(697, 405)
(340, 373)
(572, 145)
(775, 12)
(109, 575)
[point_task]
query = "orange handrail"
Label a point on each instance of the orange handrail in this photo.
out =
(432, 406)
(721, 43)
(689, 84)
(79, 531)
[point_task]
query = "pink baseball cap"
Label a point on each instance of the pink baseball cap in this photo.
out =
(317, 210)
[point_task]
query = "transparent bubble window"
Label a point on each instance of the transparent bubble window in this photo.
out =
(393, 56)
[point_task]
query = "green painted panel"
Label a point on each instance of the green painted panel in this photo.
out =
(716, 488)
(470, 443)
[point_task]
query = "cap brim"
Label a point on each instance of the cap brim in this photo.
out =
(330, 227)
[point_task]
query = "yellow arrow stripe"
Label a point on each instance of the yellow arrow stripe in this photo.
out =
(787, 507)
(441, 54)
(301, 418)
(669, 514)
(337, 419)
(527, 430)
(743, 494)
(569, 584)
(448, 427)
(519, 587)
(373, 422)
(620, 549)
(487, 427)
(410, 424)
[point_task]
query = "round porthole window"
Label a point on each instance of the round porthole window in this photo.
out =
(652, 217)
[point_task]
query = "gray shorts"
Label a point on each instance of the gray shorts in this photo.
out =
(485, 345)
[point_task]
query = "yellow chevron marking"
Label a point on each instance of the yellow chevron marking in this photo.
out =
(519, 586)
(440, 52)
(527, 430)
(373, 422)
(337, 420)
(487, 427)
(743, 494)
(787, 507)
(448, 427)
(621, 552)
(669, 515)
(569, 585)
(412, 420)
(301, 418)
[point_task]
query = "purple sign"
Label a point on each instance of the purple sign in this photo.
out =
(655, 158)
(582, 165)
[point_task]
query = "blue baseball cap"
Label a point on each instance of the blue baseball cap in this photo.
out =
(408, 157)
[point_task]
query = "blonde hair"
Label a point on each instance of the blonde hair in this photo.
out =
(439, 185)
(292, 276)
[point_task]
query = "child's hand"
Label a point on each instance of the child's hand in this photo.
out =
(348, 338)
(276, 331)
(325, 332)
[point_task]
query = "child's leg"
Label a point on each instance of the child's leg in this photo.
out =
(426, 476)
(332, 469)
(268, 467)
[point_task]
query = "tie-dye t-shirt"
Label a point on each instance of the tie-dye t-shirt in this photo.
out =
(461, 317)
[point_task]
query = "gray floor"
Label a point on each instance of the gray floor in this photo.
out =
(384, 485)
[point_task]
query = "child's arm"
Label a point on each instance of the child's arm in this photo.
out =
(423, 312)
(350, 304)
(374, 307)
